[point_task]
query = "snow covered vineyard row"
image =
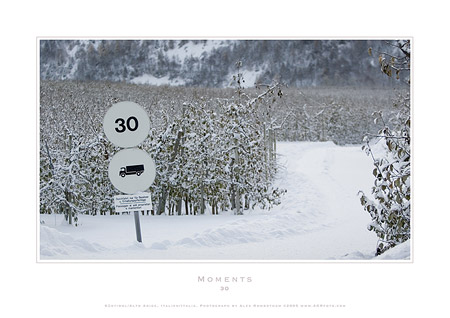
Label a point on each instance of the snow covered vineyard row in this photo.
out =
(209, 145)
(319, 218)
(343, 115)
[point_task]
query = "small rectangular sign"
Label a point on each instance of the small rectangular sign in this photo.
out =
(133, 202)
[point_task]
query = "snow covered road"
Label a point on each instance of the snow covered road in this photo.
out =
(320, 218)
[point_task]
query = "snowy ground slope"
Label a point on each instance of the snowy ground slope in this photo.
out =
(320, 218)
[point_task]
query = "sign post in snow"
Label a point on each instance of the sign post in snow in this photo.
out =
(131, 170)
(134, 203)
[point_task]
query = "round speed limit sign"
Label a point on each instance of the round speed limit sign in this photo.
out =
(126, 124)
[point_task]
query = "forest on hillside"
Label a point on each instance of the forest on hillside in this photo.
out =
(210, 63)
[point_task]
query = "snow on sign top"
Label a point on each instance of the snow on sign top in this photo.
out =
(126, 124)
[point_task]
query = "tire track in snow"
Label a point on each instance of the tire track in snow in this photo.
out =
(301, 211)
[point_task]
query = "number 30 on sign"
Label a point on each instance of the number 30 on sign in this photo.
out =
(126, 124)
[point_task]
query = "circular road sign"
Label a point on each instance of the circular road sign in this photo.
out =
(131, 170)
(126, 124)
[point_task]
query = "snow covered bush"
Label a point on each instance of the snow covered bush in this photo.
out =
(342, 115)
(189, 161)
(73, 154)
(217, 155)
(391, 208)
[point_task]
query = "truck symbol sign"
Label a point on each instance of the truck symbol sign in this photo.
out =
(127, 170)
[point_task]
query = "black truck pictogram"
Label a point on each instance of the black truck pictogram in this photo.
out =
(127, 170)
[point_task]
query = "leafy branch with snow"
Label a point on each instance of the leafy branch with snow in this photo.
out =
(390, 209)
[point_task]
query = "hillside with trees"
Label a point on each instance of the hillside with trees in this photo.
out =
(210, 63)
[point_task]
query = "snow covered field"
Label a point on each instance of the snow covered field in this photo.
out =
(320, 218)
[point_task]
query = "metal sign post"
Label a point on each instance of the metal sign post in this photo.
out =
(134, 203)
(137, 224)
(131, 170)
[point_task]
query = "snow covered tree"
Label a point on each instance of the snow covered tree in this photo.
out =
(202, 161)
(73, 155)
(99, 190)
(165, 148)
(390, 209)
(215, 156)
(66, 182)
(252, 148)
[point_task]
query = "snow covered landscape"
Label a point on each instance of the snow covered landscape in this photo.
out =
(320, 218)
(245, 160)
